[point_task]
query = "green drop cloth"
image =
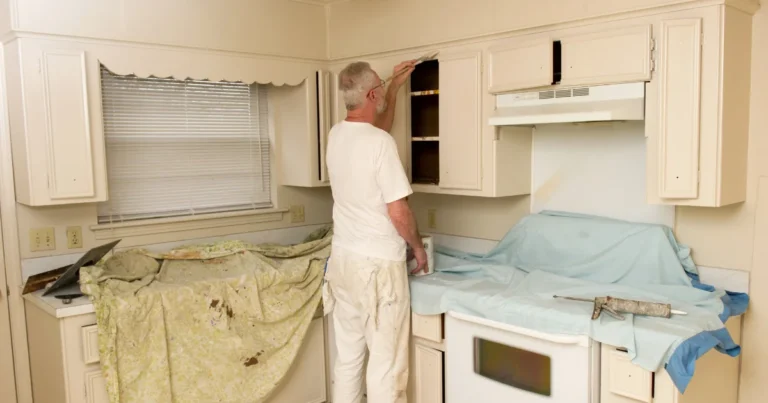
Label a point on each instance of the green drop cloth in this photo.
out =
(220, 322)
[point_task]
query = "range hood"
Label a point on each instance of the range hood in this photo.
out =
(581, 104)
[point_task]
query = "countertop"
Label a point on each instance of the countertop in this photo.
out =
(56, 307)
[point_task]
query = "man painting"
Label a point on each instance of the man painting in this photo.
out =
(367, 279)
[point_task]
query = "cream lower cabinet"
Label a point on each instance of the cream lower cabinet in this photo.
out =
(64, 360)
(715, 379)
(697, 114)
(427, 351)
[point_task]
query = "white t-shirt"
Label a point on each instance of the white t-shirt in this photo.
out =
(366, 174)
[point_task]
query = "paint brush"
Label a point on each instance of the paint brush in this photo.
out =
(428, 56)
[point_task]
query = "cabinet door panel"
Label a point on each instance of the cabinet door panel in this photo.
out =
(427, 370)
(679, 108)
(609, 56)
(460, 125)
(95, 388)
(519, 64)
(68, 133)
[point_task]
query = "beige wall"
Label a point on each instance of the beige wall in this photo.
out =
(317, 210)
(476, 217)
(368, 27)
(271, 27)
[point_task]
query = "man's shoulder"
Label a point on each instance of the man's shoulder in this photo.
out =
(369, 132)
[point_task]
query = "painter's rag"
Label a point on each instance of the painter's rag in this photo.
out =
(554, 253)
(205, 323)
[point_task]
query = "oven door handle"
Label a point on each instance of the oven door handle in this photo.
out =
(550, 337)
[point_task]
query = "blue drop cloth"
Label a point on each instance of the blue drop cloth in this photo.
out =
(556, 253)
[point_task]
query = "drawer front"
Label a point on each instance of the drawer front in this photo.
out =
(90, 341)
(427, 327)
(623, 381)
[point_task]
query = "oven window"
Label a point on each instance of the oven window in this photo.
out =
(512, 366)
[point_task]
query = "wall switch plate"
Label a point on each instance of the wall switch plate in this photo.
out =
(41, 239)
(297, 214)
(74, 237)
(432, 218)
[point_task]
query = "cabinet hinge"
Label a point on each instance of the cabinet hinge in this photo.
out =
(653, 44)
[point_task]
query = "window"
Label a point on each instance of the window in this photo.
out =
(183, 147)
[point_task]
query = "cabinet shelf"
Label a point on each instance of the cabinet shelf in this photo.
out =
(425, 93)
(425, 127)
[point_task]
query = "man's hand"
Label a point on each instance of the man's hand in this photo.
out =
(421, 261)
(401, 73)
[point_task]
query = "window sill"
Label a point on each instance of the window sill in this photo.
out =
(187, 223)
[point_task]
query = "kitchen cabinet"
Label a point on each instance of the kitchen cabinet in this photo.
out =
(65, 365)
(300, 143)
(715, 378)
(451, 148)
(521, 63)
(697, 124)
(459, 126)
(56, 123)
(607, 56)
(602, 55)
(425, 383)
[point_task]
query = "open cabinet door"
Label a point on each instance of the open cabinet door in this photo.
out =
(7, 378)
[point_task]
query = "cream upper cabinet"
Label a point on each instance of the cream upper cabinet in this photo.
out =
(460, 128)
(607, 56)
(301, 143)
(56, 124)
(572, 57)
(697, 125)
(452, 150)
(520, 63)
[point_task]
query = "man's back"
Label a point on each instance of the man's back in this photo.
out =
(366, 174)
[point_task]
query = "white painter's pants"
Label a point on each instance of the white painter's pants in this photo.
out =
(370, 300)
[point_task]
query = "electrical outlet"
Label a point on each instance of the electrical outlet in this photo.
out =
(432, 218)
(74, 237)
(41, 239)
(297, 214)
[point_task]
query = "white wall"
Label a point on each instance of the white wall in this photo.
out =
(595, 168)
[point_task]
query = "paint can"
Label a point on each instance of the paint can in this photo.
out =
(429, 247)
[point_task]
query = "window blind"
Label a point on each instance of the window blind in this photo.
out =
(183, 147)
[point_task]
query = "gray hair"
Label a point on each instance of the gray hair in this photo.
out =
(354, 82)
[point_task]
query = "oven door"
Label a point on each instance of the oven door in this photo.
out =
(491, 362)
